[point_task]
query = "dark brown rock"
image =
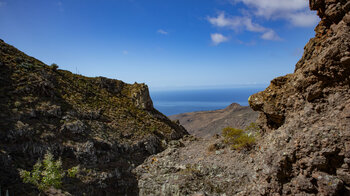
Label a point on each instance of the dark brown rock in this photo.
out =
(344, 175)
(316, 4)
(328, 184)
(304, 184)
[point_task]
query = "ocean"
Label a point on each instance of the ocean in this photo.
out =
(183, 101)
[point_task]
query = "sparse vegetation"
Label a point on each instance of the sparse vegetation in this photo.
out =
(47, 173)
(54, 66)
(252, 127)
(239, 138)
(37, 101)
(216, 146)
(212, 147)
(72, 172)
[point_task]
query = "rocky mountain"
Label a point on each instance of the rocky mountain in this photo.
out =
(205, 124)
(105, 126)
(304, 143)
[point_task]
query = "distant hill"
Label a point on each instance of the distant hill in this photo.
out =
(106, 126)
(207, 123)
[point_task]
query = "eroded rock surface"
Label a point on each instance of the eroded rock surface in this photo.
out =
(305, 113)
(196, 166)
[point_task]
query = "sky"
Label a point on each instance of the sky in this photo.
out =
(167, 44)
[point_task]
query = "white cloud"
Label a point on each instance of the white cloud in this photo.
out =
(218, 38)
(238, 23)
(161, 31)
(270, 35)
(222, 21)
(294, 11)
(303, 19)
(267, 8)
(235, 23)
(247, 22)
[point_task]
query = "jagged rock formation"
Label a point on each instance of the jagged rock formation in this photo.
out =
(205, 124)
(106, 126)
(304, 147)
(306, 114)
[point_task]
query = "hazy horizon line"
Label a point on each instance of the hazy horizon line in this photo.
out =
(206, 87)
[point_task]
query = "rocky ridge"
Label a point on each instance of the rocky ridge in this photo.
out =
(205, 124)
(304, 148)
(105, 126)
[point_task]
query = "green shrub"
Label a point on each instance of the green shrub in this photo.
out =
(230, 134)
(244, 141)
(72, 172)
(54, 66)
(47, 173)
(238, 138)
(252, 127)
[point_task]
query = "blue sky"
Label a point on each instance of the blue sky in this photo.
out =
(167, 44)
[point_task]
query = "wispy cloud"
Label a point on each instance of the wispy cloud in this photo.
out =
(296, 12)
(242, 23)
(125, 52)
(163, 32)
(302, 19)
(270, 35)
(218, 38)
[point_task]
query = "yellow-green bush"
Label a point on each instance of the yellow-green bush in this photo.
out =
(47, 173)
(252, 127)
(238, 138)
(72, 172)
(244, 141)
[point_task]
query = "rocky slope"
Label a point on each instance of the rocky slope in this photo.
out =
(205, 124)
(191, 167)
(106, 126)
(304, 148)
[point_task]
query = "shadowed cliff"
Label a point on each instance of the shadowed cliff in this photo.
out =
(106, 126)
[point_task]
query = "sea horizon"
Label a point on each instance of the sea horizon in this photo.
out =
(172, 102)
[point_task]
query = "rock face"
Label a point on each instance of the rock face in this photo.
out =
(306, 114)
(208, 123)
(304, 148)
(142, 98)
(323, 70)
(106, 126)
